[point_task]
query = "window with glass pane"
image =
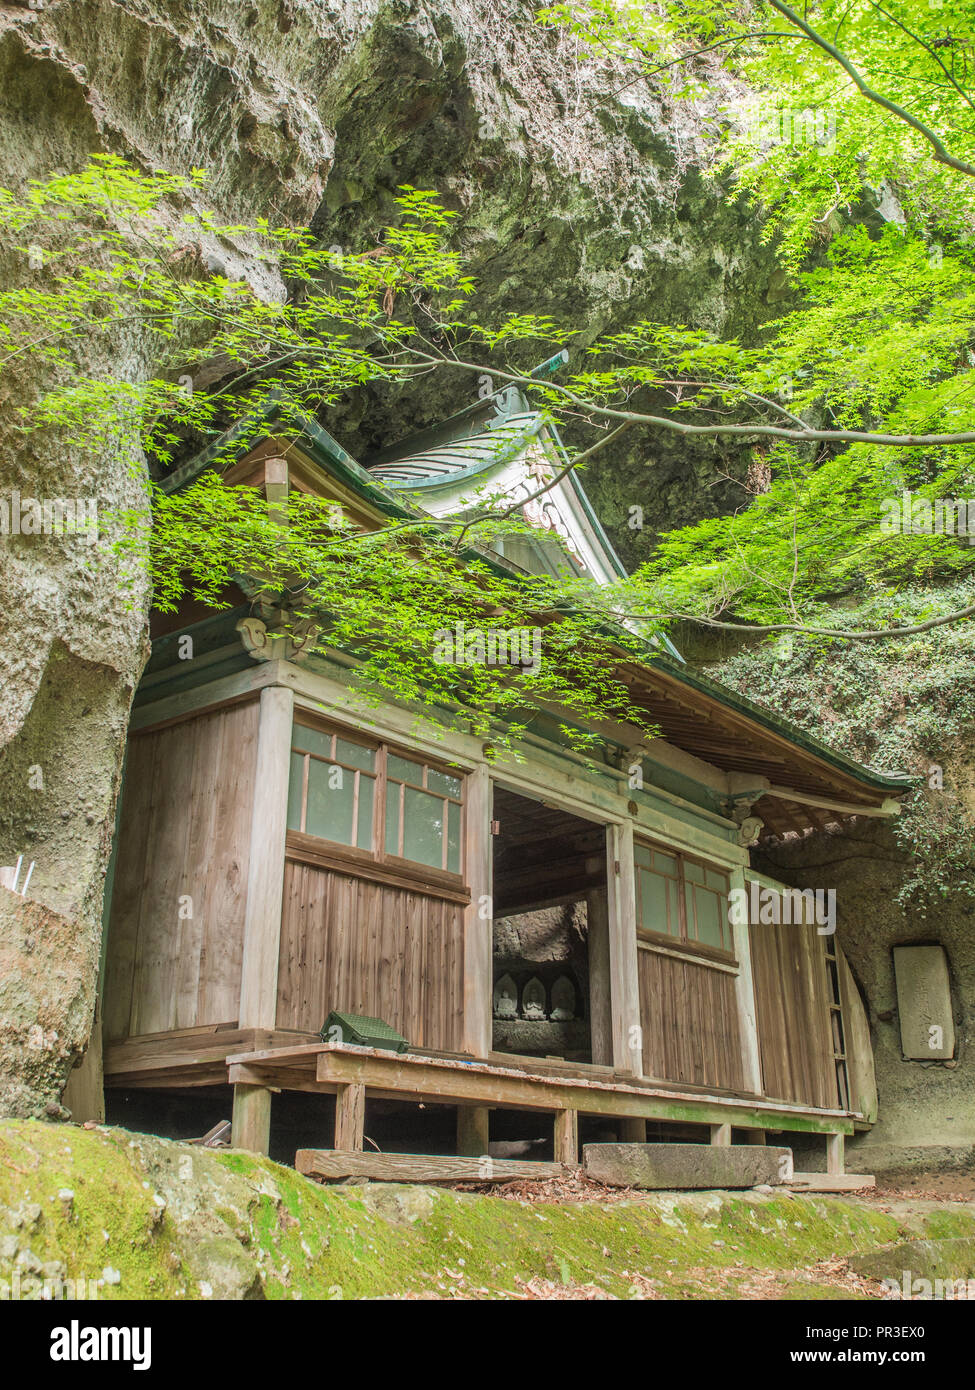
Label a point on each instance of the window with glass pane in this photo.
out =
(332, 789)
(681, 898)
(707, 906)
(422, 814)
(340, 789)
(656, 891)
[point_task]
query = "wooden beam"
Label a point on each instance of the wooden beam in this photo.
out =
(835, 1154)
(721, 1136)
(478, 915)
(251, 1123)
(84, 1095)
(567, 1137)
(199, 699)
(623, 968)
(888, 807)
(751, 1055)
(632, 1131)
(830, 1182)
(265, 877)
(326, 1163)
(452, 1080)
(350, 1117)
(600, 993)
(401, 1077)
(473, 1127)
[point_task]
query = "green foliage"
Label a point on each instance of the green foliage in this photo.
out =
(383, 597)
(109, 253)
(883, 337)
(916, 54)
(111, 250)
(113, 257)
(905, 706)
(883, 333)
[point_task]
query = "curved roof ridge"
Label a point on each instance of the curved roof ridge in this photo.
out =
(473, 453)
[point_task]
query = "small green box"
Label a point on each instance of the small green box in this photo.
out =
(357, 1030)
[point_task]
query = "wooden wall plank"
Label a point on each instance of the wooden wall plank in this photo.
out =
(232, 792)
(154, 983)
(690, 1026)
(123, 928)
(370, 948)
(184, 832)
(792, 1008)
(859, 1049)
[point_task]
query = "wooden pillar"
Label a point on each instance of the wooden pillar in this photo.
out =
(755, 1136)
(251, 1122)
(836, 1153)
(478, 916)
(84, 1095)
(751, 1057)
(721, 1136)
(350, 1117)
(265, 874)
(567, 1137)
(624, 982)
(600, 997)
(473, 1126)
(632, 1131)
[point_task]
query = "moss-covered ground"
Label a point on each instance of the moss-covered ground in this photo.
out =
(143, 1217)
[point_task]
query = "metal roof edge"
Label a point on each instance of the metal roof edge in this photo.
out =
(443, 480)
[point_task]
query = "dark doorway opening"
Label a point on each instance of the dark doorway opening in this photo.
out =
(549, 923)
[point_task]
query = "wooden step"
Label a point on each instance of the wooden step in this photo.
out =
(830, 1182)
(340, 1163)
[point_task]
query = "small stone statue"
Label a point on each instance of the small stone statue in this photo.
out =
(563, 1000)
(533, 999)
(506, 998)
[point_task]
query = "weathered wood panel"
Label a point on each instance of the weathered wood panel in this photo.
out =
(370, 948)
(792, 1003)
(176, 931)
(689, 1017)
(333, 1163)
(859, 1049)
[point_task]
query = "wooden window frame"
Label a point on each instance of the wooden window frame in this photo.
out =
(684, 944)
(378, 855)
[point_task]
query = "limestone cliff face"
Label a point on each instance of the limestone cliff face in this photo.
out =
(580, 196)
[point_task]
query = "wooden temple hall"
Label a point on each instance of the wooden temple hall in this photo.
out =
(535, 949)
